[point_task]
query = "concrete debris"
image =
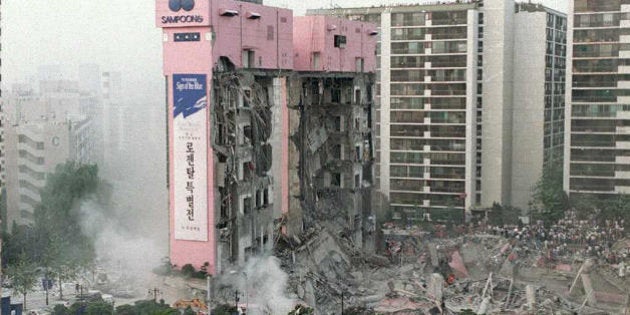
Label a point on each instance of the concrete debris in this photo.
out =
(505, 270)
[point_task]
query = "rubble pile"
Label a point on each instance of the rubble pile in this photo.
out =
(487, 270)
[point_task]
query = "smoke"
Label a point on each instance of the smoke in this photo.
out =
(122, 251)
(263, 286)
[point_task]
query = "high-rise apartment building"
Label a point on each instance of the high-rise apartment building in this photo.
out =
(2, 120)
(539, 97)
(598, 126)
(33, 150)
(451, 105)
(43, 130)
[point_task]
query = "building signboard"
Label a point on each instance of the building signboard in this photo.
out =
(190, 156)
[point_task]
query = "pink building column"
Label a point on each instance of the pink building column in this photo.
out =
(187, 68)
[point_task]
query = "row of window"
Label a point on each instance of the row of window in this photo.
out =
(436, 89)
(604, 95)
(436, 117)
(597, 184)
(597, 154)
(556, 21)
(598, 110)
(437, 47)
(419, 131)
(418, 102)
(599, 5)
(418, 199)
(454, 32)
(437, 18)
(599, 50)
(599, 65)
(457, 61)
(432, 144)
(598, 125)
(419, 185)
(30, 142)
(600, 20)
(599, 35)
(435, 158)
(440, 75)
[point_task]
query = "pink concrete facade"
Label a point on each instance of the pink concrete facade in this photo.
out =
(315, 49)
(223, 28)
(236, 27)
(266, 31)
(198, 34)
(189, 57)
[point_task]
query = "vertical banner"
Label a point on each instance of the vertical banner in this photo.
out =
(190, 152)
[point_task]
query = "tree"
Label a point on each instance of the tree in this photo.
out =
(501, 215)
(224, 309)
(146, 307)
(304, 310)
(60, 309)
(23, 277)
(99, 308)
(549, 198)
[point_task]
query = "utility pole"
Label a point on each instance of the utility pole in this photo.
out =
(1, 275)
(341, 302)
(154, 292)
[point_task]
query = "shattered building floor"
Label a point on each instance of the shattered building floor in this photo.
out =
(485, 279)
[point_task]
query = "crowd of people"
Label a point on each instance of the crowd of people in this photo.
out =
(569, 237)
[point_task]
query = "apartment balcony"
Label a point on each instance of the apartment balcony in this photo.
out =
(622, 159)
(623, 145)
(30, 194)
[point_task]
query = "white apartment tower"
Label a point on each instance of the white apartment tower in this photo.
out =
(454, 104)
(598, 128)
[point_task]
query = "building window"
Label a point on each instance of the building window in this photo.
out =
(337, 149)
(247, 205)
(340, 41)
(316, 57)
(266, 193)
(335, 96)
(360, 64)
(335, 180)
(249, 58)
(339, 124)
(270, 32)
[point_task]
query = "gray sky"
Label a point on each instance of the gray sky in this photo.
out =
(120, 35)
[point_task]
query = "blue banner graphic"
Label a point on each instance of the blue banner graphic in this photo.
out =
(189, 94)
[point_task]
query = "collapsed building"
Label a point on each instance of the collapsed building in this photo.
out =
(269, 128)
(331, 103)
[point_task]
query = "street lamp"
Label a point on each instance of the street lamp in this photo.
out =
(243, 273)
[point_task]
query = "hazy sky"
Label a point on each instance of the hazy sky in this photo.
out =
(120, 35)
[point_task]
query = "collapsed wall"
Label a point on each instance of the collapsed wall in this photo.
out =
(242, 135)
(332, 149)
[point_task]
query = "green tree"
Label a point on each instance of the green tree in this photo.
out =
(99, 308)
(501, 215)
(224, 309)
(304, 310)
(60, 309)
(126, 310)
(549, 198)
(23, 277)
